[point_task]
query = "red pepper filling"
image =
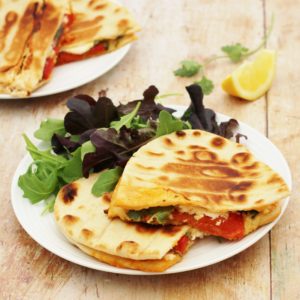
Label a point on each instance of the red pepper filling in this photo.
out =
(181, 246)
(230, 228)
(65, 57)
(50, 62)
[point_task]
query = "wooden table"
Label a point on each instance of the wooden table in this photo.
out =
(172, 31)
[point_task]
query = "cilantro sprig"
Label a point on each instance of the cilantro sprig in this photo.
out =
(235, 52)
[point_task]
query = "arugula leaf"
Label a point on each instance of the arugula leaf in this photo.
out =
(48, 128)
(45, 156)
(168, 124)
(235, 52)
(125, 120)
(73, 168)
(206, 85)
(106, 181)
(188, 68)
(137, 123)
(39, 181)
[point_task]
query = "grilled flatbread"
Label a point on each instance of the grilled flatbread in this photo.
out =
(16, 27)
(200, 179)
(31, 45)
(99, 26)
(83, 219)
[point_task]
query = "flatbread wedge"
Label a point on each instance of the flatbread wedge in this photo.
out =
(99, 27)
(83, 219)
(16, 27)
(198, 178)
(40, 24)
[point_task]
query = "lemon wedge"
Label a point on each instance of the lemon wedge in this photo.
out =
(253, 79)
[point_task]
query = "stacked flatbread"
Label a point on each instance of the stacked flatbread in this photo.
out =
(83, 219)
(35, 35)
(183, 185)
(205, 181)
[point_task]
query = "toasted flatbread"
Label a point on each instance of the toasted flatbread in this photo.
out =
(83, 219)
(199, 174)
(99, 27)
(41, 34)
(17, 19)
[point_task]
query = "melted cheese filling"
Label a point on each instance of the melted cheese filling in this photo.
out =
(81, 49)
(200, 212)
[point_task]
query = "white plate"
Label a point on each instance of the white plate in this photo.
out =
(203, 253)
(72, 75)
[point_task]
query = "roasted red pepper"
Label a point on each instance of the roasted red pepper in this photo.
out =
(231, 228)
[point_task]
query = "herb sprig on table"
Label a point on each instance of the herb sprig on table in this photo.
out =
(97, 136)
(235, 52)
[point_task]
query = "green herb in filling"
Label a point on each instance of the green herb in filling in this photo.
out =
(154, 215)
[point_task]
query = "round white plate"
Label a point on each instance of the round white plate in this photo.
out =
(203, 253)
(72, 75)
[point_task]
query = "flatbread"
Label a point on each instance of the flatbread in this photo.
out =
(16, 27)
(150, 265)
(96, 21)
(82, 219)
(48, 19)
(197, 169)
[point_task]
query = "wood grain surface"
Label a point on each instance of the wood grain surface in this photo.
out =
(172, 31)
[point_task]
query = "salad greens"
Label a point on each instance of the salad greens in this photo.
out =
(106, 181)
(48, 128)
(97, 136)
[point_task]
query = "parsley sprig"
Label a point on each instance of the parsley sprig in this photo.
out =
(234, 52)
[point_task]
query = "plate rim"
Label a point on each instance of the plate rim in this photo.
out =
(244, 244)
(123, 51)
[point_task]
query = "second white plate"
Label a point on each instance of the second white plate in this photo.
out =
(72, 75)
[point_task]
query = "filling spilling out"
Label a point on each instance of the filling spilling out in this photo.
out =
(56, 45)
(230, 226)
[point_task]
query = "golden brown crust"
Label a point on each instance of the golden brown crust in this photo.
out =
(197, 170)
(99, 21)
(153, 265)
(82, 217)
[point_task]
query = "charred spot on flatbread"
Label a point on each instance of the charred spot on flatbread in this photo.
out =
(218, 142)
(69, 192)
(180, 134)
(168, 142)
(86, 233)
(70, 219)
(128, 246)
(151, 153)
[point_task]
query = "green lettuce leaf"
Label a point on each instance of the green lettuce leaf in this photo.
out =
(125, 120)
(168, 124)
(106, 181)
(39, 182)
(48, 127)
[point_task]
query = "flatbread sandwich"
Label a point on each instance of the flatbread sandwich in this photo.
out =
(99, 26)
(83, 220)
(31, 32)
(200, 179)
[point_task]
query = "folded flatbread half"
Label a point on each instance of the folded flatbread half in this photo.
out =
(198, 178)
(83, 220)
(29, 42)
(99, 26)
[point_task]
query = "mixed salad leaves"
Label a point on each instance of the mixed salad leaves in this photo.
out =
(97, 136)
